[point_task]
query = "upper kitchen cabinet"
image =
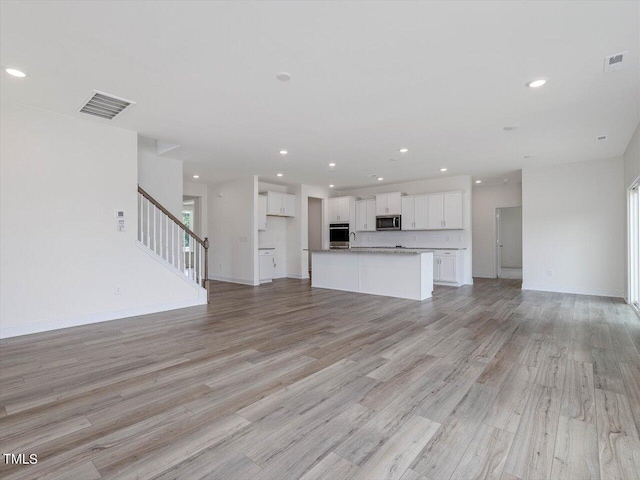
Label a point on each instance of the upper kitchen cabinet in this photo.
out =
(366, 216)
(341, 209)
(262, 212)
(281, 204)
(444, 211)
(389, 204)
(453, 210)
(415, 212)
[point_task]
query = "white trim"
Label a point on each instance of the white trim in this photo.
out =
(598, 292)
(95, 317)
(297, 276)
(241, 281)
(450, 284)
(484, 275)
(168, 265)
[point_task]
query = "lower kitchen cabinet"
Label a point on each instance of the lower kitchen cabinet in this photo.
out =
(448, 267)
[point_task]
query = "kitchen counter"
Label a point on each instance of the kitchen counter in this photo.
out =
(384, 250)
(393, 272)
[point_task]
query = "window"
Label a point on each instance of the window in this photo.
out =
(187, 217)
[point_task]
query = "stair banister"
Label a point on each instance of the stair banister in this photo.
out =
(149, 236)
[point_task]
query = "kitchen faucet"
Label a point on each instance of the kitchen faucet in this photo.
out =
(354, 236)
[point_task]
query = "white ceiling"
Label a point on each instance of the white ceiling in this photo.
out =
(441, 78)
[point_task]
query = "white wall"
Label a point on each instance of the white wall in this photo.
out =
(444, 239)
(573, 226)
(160, 177)
(233, 239)
(486, 198)
(62, 179)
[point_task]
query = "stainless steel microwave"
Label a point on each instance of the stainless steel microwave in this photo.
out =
(389, 222)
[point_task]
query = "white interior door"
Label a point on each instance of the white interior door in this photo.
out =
(634, 246)
(509, 241)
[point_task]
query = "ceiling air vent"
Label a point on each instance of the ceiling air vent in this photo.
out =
(103, 105)
(615, 62)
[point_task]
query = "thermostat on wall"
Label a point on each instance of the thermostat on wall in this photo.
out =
(120, 220)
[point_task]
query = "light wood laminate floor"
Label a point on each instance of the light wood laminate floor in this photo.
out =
(287, 382)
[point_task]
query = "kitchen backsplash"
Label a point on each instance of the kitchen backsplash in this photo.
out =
(432, 239)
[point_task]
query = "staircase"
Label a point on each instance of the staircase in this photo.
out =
(168, 238)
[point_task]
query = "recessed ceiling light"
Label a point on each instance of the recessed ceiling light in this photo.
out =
(478, 181)
(279, 174)
(510, 127)
(196, 176)
(506, 179)
(537, 83)
(331, 186)
(283, 76)
(332, 164)
(403, 150)
(380, 179)
(443, 169)
(283, 152)
(15, 72)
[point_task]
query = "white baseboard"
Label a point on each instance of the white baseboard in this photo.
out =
(96, 317)
(241, 281)
(597, 292)
(297, 275)
(484, 275)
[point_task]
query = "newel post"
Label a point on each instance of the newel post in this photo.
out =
(206, 265)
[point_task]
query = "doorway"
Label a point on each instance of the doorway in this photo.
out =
(192, 213)
(634, 246)
(509, 242)
(314, 225)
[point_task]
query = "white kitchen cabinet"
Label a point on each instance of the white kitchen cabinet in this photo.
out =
(281, 204)
(421, 212)
(267, 265)
(444, 211)
(289, 205)
(452, 215)
(366, 216)
(341, 209)
(262, 212)
(408, 213)
(414, 212)
(435, 211)
(448, 267)
(389, 203)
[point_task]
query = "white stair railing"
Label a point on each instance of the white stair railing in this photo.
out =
(165, 235)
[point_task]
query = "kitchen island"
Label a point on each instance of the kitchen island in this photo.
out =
(401, 273)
